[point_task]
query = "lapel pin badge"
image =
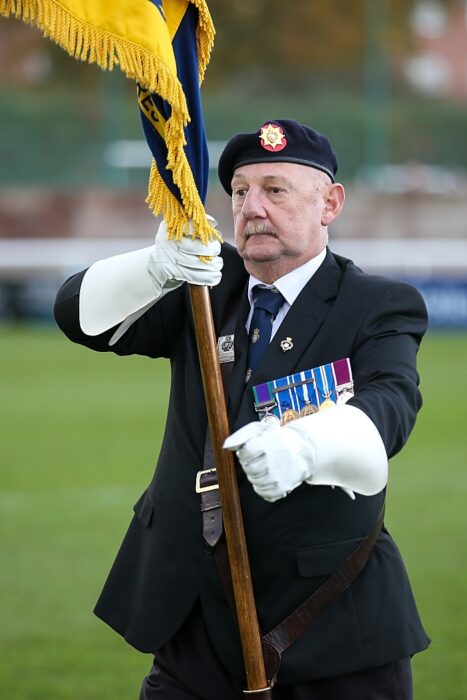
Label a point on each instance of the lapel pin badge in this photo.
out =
(225, 348)
(286, 344)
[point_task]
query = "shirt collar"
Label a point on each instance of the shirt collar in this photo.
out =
(291, 284)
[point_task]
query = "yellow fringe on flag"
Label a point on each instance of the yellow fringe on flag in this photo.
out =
(90, 31)
(178, 218)
(159, 200)
(162, 202)
(92, 42)
(204, 37)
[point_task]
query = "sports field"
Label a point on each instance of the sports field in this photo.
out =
(79, 435)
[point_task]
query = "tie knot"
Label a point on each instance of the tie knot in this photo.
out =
(270, 300)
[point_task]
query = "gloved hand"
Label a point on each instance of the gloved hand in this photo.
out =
(171, 262)
(340, 447)
(120, 289)
(276, 459)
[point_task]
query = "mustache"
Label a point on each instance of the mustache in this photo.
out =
(258, 228)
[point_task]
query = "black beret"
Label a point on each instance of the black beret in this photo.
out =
(279, 141)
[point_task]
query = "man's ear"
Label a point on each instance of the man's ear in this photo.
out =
(333, 203)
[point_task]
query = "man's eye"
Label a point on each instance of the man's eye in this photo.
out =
(240, 192)
(276, 190)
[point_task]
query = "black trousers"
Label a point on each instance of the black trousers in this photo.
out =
(187, 668)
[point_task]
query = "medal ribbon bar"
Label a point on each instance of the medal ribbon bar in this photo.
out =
(305, 392)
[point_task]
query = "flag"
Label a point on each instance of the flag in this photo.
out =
(165, 46)
(181, 177)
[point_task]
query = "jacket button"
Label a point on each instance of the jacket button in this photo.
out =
(208, 549)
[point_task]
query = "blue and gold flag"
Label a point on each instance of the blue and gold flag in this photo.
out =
(181, 176)
(165, 46)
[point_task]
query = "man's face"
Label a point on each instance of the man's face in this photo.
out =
(279, 212)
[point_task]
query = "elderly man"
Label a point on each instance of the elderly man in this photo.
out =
(322, 389)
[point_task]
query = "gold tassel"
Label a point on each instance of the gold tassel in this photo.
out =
(205, 33)
(161, 202)
(93, 45)
(177, 217)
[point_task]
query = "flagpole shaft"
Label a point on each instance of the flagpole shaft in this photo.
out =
(250, 634)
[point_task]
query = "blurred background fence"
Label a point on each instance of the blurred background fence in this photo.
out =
(386, 80)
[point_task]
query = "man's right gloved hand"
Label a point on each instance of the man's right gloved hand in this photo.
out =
(120, 289)
(172, 262)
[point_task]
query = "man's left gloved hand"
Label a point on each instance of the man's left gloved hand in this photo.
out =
(339, 447)
(275, 459)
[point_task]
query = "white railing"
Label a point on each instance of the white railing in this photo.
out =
(429, 257)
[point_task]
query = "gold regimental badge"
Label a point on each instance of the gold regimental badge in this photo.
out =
(272, 138)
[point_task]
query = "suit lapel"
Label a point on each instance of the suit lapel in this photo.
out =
(303, 321)
(237, 380)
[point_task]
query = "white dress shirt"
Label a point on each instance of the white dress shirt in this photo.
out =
(290, 286)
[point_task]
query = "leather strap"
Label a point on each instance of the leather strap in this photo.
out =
(277, 640)
(208, 488)
(206, 482)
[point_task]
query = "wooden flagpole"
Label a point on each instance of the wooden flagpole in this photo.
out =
(250, 633)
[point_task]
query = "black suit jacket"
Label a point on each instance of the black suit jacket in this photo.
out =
(295, 543)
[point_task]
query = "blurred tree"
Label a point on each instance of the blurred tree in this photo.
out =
(271, 45)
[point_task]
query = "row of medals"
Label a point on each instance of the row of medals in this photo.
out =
(291, 414)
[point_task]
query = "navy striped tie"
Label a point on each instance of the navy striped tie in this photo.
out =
(267, 303)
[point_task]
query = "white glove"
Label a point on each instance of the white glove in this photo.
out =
(172, 262)
(275, 459)
(338, 447)
(120, 289)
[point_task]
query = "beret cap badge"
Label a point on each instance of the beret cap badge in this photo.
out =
(277, 141)
(272, 137)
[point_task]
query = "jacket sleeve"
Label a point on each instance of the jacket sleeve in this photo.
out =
(384, 362)
(153, 334)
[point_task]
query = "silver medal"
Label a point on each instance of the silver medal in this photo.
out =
(344, 396)
(270, 418)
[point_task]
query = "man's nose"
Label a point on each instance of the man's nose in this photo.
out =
(253, 206)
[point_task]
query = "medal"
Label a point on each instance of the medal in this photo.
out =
(343, 381)
(307, 390)
(309, 409)
(264, 409)
(248, 374)
(325, 390)
(266, 405)
(344, 396)
(270, 418)
(289, 415)
(302, 394)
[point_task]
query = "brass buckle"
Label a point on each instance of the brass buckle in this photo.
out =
(203, 489)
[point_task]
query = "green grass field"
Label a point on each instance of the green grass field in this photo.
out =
(80, 433)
